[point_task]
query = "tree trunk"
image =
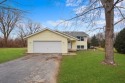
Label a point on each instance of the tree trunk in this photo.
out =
(5, 41)
(23, 42)
(109, 30)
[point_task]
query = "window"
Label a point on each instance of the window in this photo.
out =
(82, 46)
(78, 46)
(80, 38)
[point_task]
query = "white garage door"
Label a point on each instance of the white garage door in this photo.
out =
(47, 47)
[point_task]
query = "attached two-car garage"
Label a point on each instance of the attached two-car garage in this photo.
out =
(47, 47)
(47, 41)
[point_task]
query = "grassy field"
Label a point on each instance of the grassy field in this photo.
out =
(7, 54)
(86, 67)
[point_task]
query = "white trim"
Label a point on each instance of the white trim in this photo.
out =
(80, 47)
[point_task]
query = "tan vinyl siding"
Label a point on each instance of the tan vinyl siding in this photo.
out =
(74, 47)
(47, 36)
(82, 43)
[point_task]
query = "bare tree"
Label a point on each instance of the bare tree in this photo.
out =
(91, 12)
(27, 28)
(8, 21)
(21, 34)
(100, 37)
(32, 27)
(109, 30)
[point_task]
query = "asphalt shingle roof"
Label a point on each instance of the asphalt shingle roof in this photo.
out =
(75, 34)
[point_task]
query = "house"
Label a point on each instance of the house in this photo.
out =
(51, 41)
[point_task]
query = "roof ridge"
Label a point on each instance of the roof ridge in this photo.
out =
(76, 33)
(72, 31)
(58, 32)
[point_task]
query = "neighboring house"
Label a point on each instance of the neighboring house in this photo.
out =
(51, 41)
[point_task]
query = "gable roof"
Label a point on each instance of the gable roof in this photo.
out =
(57, 32)
(76, 33)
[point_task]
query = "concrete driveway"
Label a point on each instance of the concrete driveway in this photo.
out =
(39, 68)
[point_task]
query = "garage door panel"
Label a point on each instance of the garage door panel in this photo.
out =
(47, 47)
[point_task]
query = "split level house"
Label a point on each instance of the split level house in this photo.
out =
(53, 41)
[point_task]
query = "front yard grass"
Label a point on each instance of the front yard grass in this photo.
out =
(86, 67)
(7, 54)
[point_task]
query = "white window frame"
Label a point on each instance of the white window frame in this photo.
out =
(80, 38)
(80, 47)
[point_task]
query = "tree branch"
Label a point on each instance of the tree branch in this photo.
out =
(118, 1)
(84, 13)
(3, 1)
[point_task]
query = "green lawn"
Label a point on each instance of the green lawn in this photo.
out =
(102, 49)
(86, 67)
(7, 54)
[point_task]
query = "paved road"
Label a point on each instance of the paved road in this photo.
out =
(31, 69)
